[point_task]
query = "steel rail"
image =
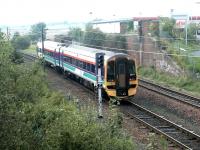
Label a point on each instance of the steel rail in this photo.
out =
(27, 56)
(182, 97)
(175, 133)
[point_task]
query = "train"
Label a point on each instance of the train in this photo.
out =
(120, 79)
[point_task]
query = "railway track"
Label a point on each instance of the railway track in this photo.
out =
(184, 98)
(28, 57)
(178, 135)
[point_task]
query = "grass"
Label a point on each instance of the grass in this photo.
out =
(185, 83)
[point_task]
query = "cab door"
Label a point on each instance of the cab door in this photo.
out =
(121, 77)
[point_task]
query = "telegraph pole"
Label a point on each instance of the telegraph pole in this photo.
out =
(42, 36)
(42, 39)
(99, 71)
(7, 33)
(141, 39)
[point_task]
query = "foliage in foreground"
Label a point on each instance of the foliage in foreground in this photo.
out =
(185, 82)
(33, 117)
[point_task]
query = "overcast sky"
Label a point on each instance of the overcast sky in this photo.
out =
(22, 12)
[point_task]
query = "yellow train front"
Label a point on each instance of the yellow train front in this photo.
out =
(120, 76)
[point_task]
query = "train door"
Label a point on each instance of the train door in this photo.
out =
(121, 77)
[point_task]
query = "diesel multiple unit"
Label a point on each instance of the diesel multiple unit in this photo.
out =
(119, 70)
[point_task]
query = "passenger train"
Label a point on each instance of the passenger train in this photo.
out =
(119, 72)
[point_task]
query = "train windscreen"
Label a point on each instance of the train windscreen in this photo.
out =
(131, 69)
(111, 71)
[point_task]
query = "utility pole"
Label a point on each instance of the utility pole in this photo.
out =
(141, 40)
(7, 33)
(99, 71)
(42, 36)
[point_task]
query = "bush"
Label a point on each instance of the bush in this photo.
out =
(21, 42)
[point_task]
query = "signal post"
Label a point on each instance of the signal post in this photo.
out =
(99, 73)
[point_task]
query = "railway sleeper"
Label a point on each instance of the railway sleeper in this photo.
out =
(143, 117)
(168, 130)
(163, 126)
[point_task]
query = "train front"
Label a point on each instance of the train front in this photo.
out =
(120, 77)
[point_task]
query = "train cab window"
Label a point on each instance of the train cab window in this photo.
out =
(111, 71)
(131, 69)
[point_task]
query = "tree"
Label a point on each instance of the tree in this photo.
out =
(167, 25)
(76, 34)
(94, 37)
(21, 42)
(191, 34)
(154, 29)
(16, 34)
(36, 31)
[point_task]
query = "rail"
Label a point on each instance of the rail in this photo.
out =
(182, 97)
(175, 133)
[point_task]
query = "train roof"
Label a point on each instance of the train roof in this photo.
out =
(83, 52)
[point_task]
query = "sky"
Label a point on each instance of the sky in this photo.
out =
(26, 12)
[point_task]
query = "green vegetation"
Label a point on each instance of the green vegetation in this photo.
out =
(76, 34)
(156, 142)
(31, 49)
(94, 37)
(34, 117)
(20, 42)
(172, 40)
(186, 83)
(36, 32)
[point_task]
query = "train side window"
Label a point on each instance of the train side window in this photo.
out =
(70, 60)
(65, 58)
(73, 61)
(88, 67)
(77, 63)
(131, 69)
(93, 68)
(81, 64)
(111, 71)
(84, 65)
